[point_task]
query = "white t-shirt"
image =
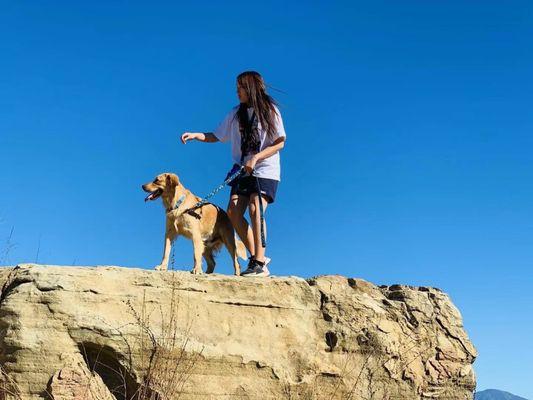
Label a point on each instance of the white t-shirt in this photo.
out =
(229, 130)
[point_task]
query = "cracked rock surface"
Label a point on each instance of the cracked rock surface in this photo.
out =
(88, 333)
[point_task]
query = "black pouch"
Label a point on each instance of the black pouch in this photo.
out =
(234, 169)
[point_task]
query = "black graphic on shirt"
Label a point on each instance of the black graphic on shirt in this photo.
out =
(248, 126)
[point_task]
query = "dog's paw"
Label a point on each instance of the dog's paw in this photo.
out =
(197, 271)
(160, 267)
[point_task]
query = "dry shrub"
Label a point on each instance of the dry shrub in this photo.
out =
(166, 358)
(8, 247)
(8, 387)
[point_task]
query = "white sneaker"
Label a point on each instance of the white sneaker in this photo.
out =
(257, 270)
(263, 272)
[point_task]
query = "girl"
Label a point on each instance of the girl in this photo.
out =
(256, 132)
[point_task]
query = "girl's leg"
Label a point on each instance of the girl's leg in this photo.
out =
(255, 217)
(236, 207)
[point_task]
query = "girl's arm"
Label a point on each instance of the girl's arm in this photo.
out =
(207, 137)
(278, 144)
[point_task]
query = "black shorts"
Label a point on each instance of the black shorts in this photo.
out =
(247, 185)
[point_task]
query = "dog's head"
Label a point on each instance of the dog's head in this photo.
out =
(163, 183)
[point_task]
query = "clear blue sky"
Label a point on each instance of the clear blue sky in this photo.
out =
(409, 142)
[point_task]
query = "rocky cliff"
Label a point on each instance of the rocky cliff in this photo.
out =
(122, 333)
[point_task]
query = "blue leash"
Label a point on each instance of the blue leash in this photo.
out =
(218, 188)
(204, 201)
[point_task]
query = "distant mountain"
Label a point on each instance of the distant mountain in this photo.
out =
(492, 394)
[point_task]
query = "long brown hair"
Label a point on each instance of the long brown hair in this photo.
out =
(253, 84)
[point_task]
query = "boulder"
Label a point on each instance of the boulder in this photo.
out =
(123, 333)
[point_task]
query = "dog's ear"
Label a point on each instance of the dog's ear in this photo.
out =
(172, 180)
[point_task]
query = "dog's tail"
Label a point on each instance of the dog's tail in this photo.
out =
(241, 249)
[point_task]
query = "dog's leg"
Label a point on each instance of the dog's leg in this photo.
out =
(199, 246)
(166, 254)
(208, 255)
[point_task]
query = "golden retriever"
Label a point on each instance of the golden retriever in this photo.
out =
(209, 227)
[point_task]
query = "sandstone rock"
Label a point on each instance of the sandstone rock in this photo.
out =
(124, 333)
(75, 381)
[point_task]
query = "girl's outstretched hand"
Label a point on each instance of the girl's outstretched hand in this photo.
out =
(200, 136)
(187, 136)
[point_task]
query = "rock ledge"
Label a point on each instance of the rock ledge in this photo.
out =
(113, 333)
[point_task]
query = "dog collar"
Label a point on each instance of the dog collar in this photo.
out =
(178, 203)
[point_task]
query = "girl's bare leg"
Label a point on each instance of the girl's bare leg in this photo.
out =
(255, 217)
(236, 207)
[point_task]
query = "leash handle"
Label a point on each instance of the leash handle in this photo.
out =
(261, 210)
